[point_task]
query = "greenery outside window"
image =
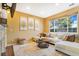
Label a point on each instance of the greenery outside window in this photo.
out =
(61, 25)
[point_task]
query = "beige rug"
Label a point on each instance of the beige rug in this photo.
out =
(33, 50)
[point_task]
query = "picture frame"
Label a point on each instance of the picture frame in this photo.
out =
(23, 23)
(30, 23)
(37, 25)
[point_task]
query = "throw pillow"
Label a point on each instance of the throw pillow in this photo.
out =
(70, 38)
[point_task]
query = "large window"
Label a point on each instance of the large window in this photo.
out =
(65, 24)
(72, 23)
(61, 25)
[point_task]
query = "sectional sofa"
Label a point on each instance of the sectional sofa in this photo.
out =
(67, 47)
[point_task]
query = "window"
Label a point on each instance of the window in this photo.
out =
(65, 24)
(72, 23)
(61, 25)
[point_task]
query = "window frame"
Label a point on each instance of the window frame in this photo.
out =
(67, 23)
(77, 22)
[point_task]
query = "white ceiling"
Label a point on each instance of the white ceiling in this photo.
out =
(43, 9)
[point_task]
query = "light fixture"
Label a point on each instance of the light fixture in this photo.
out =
(42, 12)
(57, 4)
(28, 8)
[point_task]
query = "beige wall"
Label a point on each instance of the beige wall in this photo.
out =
(13, 30)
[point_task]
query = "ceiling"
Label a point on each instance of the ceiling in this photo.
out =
(43, 9)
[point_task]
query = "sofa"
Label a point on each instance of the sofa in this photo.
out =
(66, 43)
(70, 48)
